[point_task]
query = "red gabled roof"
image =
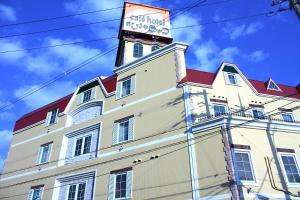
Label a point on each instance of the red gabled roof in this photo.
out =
(110, 83)
(41, 113)
(286, 91)
(207, 78)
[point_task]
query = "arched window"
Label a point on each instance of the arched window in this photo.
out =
(154, 48)
(137, 50)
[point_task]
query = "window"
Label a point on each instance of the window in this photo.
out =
(83, 145)
(120, 184)
(36, 193)
(219, 109)
(231, 78)
(126, 87)
(287, 117)
(291, 168)
(137, 50)
(123, 130)
(272, 85)
(244, 166)
(87, 95)
(258, 113)
(44, 153)
(76, 191)
(52, 116)
(154, 48)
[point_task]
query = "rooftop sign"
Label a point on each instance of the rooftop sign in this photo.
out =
(146, 19)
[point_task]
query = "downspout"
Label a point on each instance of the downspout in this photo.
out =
(191, 145)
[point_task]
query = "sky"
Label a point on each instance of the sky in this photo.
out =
(262, 47)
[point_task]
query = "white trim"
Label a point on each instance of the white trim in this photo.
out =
(103, 113)
(289, 184)
(139, 146)
(270, 196)
(140, 100)
(217, 197)
(37, 137)
(191, 146)
(151, 56)
(248, 152)
(269, 82)
(261, 124)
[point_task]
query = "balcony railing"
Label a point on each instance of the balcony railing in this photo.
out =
(203, 118)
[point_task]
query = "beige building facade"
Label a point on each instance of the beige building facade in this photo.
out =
(157, 130)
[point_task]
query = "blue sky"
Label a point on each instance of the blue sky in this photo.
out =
(262, 47)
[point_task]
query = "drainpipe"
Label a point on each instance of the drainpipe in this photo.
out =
(191, 145)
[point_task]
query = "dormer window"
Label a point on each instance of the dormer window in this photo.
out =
(87, 96)
(272, 85)
(137, 50)
(52, 117)
(154, 48)
(231, 75)
(232, 79)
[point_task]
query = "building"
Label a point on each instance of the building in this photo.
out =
(157, 130)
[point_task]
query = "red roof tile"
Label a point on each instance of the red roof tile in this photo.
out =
(41, 113)
(110, 83)
(207, 78)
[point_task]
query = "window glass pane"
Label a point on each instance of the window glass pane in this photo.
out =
(138, 50)
(81, 191)
(126, 85)
(120, 191)
(258, 114)
(37, 194)
(87, 144)
(219, 110)
(291, 168)
(123, 130)
(232, 79)
(272, 86)
(45, 152)
(72, 192)
(244, 166)
(78, 147)
(287, 117)
(154, 48)
(53, 116)
(87, 96)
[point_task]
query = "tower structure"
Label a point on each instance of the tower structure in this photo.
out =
(143, 29)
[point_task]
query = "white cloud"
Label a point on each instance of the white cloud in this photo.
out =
(6, 137)
(187, 35)
(47, 95)
(209, 55)
(53, 61)
(235, 32)
(7, 13)
(257, 56)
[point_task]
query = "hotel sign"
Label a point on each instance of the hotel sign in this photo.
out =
(146, 19)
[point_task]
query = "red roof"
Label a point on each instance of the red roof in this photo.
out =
(207, 78)
(41, 113)
(110, 83)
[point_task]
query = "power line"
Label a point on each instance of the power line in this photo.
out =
(68, 16)
(92, 23)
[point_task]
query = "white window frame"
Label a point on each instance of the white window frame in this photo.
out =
(121, 85)
(283, 169)
(236, 78)
(40, 153)
(274, 89)
(219, 104)
(49, 114)
(127, 189)
(31, 192)
(259, 109)
(243, 182)
(83, 94)
(132, 79)
(82, 147)
(288, 113)
(77, 187)
(118, 133)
